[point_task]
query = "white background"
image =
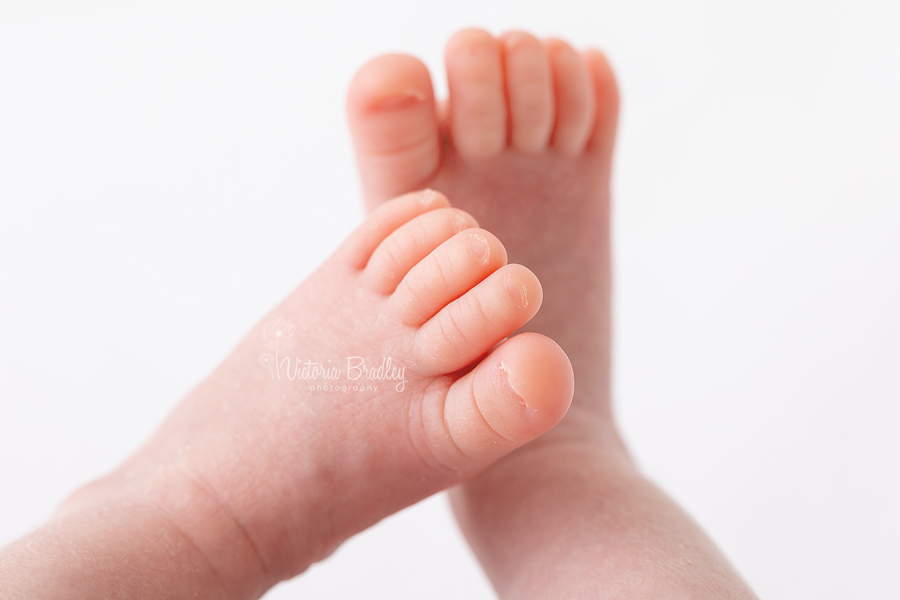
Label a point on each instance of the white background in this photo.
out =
(169, 171)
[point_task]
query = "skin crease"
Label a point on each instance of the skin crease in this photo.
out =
(568, 515)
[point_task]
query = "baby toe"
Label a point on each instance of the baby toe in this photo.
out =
(529, 90)
(477, 102)
(470, 325)
(574, 97)
(357, 250)
(518, 392)
(450, 271)
(409, 244)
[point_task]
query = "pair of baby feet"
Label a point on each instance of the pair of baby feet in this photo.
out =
(390, 374)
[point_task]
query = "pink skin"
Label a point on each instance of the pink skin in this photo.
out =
(254, 477)
(524, 143)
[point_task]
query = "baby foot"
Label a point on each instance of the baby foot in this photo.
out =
(524, 143)
(374, 385)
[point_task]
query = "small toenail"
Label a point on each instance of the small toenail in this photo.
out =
(479, 248)
(460, 223)
(401, 100)
(514, 40)
(517, 291)
(428, 196)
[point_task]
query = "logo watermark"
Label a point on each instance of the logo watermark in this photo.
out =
(280, 335)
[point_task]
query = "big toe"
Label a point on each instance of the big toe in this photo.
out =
(393, 121)
(518, 392)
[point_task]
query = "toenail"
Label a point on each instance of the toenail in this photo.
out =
(401, 100)
(460, 223)
(477, 48)
(517, 291)
(479, 248)
(514, 39)
(428, 197)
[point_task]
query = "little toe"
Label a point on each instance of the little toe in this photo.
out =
(409, 244)
(606, 93)
(574, 97)
(477, 99)
(393, 122)
(470, 325)
(386, 218)
(517, 393)
(529, 87)
(450, 271)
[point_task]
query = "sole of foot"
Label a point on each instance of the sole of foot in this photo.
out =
(387, 376)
